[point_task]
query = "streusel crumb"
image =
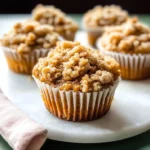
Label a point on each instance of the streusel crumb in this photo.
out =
(71, 66)
(131, 37)
(55, 17)
(30, 35)
(105, 16)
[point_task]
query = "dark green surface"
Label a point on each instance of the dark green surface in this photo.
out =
(140, 142)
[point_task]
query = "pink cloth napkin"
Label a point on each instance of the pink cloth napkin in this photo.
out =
(21, 132)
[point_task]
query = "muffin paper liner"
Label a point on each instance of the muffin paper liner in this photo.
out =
(68, 37)
(76, 106)
(23, 63)
(133, 67)
(93, 33)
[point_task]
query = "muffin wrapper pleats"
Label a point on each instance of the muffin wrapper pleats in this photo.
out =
(23, 63)
(93, 34)
(68, 36)
(133, 67)
(76, 106)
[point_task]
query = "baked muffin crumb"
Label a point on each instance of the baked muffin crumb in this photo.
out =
(130, 37)
(30, 35)
(105, 16)
(71, 66)
(55, 17)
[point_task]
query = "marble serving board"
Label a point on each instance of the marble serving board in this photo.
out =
(128, 116)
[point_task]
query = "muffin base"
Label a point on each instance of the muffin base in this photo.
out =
(92, 37)
(136, 67)
(129, 74)
(133, 67)
(23, 63)
(93, 34)
(76, 106)
(68, 37)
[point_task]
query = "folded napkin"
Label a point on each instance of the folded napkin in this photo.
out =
(21, 132)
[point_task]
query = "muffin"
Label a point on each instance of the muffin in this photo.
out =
(26, 43)
(50, 15)
(129, 44)
(96, 19)
(76, 82)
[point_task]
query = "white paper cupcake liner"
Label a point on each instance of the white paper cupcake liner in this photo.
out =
(76, 106)
(23, 63)
(133, 67)
(93, 33)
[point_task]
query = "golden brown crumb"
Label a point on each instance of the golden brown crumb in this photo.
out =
(55, 17)
(105, 16)
(30, 35)
(130, 37)
(72, 66)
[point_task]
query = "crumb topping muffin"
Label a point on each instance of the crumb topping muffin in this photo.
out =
(131, 37)
(55, 17)
(105, 16)
(30, 35)
(71, 66)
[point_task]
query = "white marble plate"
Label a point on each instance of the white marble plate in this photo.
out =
(129, 114)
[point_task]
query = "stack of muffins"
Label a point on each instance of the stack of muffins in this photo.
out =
(78, 83)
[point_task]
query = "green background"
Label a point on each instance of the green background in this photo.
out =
(140, 142)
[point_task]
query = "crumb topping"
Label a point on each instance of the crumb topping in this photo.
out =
(30, 35)
(71, 66)
(55, 17)
(131, 37)
(105, 16)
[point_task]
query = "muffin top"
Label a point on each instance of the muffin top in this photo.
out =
(71, 66)
(105, 16)
(30, 35)
(131, 37)
(53, 16)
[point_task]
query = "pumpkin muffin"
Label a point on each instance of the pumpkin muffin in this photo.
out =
(26, 43)
(50, 15)
(77, 83)
(96, 19)
(129, 44)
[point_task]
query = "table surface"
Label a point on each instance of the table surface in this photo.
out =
(140, 142)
